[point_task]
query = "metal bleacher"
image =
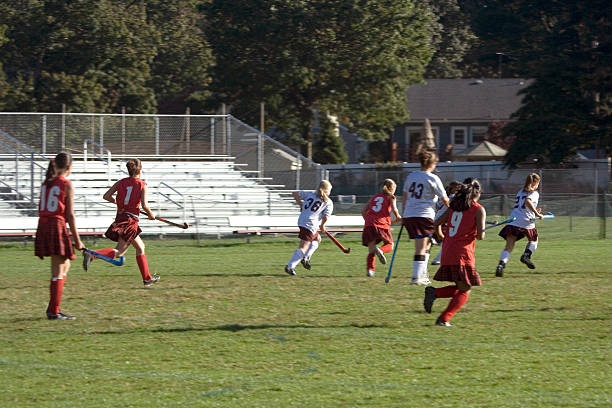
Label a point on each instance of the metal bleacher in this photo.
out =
(200, 190)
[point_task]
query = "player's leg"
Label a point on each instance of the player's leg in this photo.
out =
(59, 270)
(143, 264)
(371, 258)
(312, 247)
(529, 250)
(504, 257)
(297, 256)
(438, 258)
(459, 299)
(419, 264)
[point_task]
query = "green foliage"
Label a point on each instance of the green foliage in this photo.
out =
(353, 58)
(227, 327)
(329, 146)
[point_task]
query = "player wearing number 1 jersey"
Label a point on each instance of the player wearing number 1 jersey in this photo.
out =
(52, 239)
(421, 192)
(131, 194)
(465, 221)
(316, 209)
(377, 221)
(525, 211)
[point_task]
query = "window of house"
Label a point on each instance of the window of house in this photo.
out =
(478, 135)
(459, 136)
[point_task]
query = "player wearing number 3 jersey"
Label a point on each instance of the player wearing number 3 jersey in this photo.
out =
(316, 209)
(465, 221)
(421, 192)
(377, 222)
(52, 239)
(131, 194)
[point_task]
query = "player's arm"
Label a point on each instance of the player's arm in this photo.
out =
(323, 221)
(108, 196)
(297, 198)
(70, 218)
(438, 223)
(536, 211)
(395, 211)
(144, 204)
(364, 210)
(404, 199)
(481, 216)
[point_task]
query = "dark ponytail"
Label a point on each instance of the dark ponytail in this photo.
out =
(133, 166)
(57, 166)
(462, 200)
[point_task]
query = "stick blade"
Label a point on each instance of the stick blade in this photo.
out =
(185, 225)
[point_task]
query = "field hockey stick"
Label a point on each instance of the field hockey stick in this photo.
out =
(345, 250)
(549, 215)
(393, 256)
(501, 223)
(116, 262)
(174, 224)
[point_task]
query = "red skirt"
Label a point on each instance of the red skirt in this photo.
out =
(307, 235)
(371, 233)
(454, 273)
(125, 227)
(518, 232)
(52, 238)
(418, 227)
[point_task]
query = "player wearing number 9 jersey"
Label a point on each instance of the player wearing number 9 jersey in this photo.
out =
(52, 239)
(465, 221)
(377, 221)
(316, 209)
(131, 194)
(525, 211)
(421, 192)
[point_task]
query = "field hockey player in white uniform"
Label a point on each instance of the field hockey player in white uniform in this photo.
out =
(525, 211)
(421, 191)
(316, 209)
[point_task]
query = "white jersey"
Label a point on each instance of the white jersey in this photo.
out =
(313, 210)
(422, 189)
(525, 218)
(440, 208)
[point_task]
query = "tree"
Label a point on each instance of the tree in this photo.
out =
(352, 58)
(329, 146)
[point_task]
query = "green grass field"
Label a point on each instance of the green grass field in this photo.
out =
(226, 327)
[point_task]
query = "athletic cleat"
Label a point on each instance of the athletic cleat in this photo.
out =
(369, 273)
(60, 316)
(430, 296)
(440, 322)
(154, 279)
(87, 258)
(434, 262)
(527, 261)
(290, 271)
(381, 256)
(499, 271)
(305, 263)
(424, 281)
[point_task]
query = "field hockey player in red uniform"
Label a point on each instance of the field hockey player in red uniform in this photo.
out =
(377, 221)
(524, 213)
(466, 222)
(56, 207)
(131, 194)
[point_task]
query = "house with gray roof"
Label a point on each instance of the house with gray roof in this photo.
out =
(459, 110)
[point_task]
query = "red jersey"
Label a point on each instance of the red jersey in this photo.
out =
(129, 192)
(379, 211)
(459, 243)
(53, 198)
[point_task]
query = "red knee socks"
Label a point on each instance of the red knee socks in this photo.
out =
(141, 260)
(454, 305)
(56, 288)
(110, 252)
(387, 248)
(370, 262)
(446, 292)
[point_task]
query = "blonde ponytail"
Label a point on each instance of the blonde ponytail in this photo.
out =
(389, 187)
(531, 179)
(324, 185)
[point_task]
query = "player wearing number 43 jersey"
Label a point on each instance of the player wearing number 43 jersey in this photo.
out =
(131, 194)
(421, 192)
(316, 209)
(377, 221)
(525, 211)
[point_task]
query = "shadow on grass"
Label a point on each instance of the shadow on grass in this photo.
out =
(542, 309)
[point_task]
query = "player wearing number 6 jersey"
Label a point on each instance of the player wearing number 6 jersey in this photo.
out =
(52, 239)
(377, 221)
(465, 221)
(316, 209)
(525, 212)
(420, 194)
(131, 194)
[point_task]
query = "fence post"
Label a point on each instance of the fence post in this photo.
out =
(44, 134)
(212, 135)
(123, 130)
(229, 136)
(157, 135)
(17, 175)
(101, 135)
(63, 129)
(298, 164)
(188, 129)
(32, 178)
(108, 168)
